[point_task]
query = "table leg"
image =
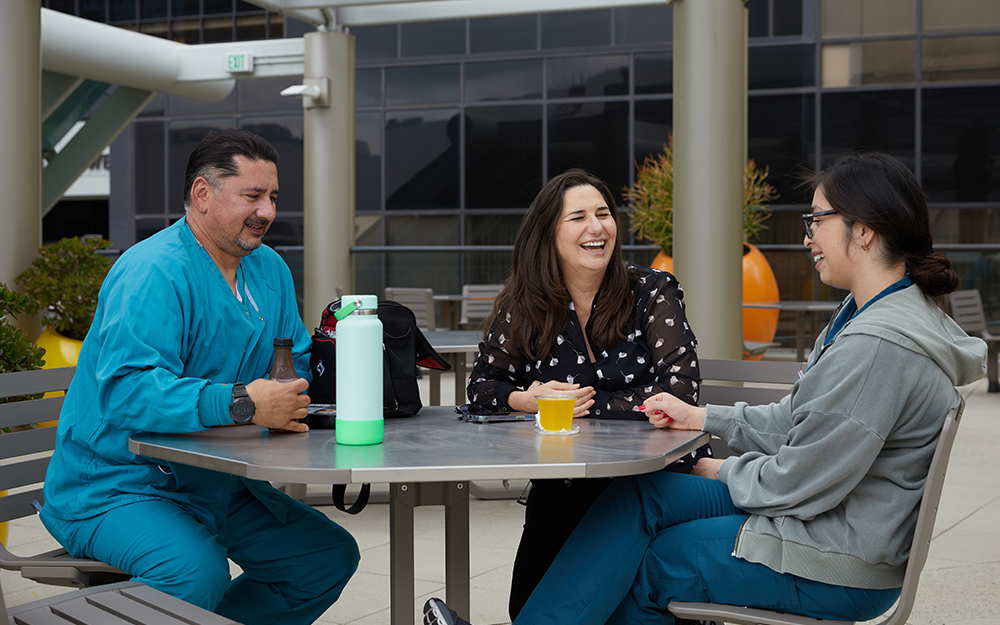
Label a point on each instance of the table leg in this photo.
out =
(454, 496)
(435, 384)
(461, 378)
(800, 338)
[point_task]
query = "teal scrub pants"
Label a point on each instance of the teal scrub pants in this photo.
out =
(292, 572)
(661, 537)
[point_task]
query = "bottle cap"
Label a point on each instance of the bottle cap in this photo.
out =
(283, 342)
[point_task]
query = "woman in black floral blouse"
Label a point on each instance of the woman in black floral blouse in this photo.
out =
(575, 318)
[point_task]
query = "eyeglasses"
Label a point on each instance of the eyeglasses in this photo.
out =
(809, 220)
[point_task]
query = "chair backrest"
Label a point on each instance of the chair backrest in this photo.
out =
(723, 382)
(477, 301)
(967, 311)
(25, 447)
(420, 301)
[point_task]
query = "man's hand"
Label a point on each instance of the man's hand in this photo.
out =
(524, 401)
(280, 403)
(665, 410)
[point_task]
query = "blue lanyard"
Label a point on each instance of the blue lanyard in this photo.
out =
(850, 309)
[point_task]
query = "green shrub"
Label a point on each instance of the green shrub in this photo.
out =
(17, 351)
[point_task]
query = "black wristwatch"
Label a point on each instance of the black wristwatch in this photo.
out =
(241, 409)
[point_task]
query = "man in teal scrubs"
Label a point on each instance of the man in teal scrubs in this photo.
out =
(181, 342)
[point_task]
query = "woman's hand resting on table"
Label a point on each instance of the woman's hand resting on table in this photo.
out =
(666, 411)
(524, 401)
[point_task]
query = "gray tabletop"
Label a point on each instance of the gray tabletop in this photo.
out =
(432, 447)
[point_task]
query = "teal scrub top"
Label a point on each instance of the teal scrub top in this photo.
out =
(169, 340)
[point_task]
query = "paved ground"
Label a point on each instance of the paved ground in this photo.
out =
(960, 585)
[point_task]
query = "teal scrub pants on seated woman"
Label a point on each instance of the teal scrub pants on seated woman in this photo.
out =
(661, 537)
(292, 572)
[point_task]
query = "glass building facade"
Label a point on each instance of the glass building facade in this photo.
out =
(458, 123)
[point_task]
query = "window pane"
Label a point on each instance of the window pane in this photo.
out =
(433, 38)
(422, 230)
(374, 42)
(503, 34)
(218, 6)
(593, 136)
(369, 230)
(92, 10)
(961, 58)
(781, 137)
(948, 15)
(654, 121)
(145, 228)
(421, 85)
(851, 18)
(183, 31)
(776, 67)
(155, 107)
(787, 17)
(961, 144)
(588, 76)
(285, 134)
(654, 73)
(421, 159)
(179, 105)
(650, 24)
(966, 226)
(263, 95)
(368, 87)
(438, 271)
(178, 7)
(122, 10)
(758, 18)
(871, 119)
(276, 26)
(871, 63)
(160, 29)
(486, 267)
(491, 229)
(503, 151)
(218, 29)
(149, 170)
(368, 160)
(251, 27)
(284, 230)
(507, 80)
(183, 137)
(576, 29)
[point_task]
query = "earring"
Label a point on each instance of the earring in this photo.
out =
(866, 246)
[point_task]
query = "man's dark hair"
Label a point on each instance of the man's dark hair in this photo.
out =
(214, 158)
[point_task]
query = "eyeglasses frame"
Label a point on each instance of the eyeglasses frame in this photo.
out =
(808, 219)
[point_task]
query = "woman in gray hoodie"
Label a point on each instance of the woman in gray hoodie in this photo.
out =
(815, 512)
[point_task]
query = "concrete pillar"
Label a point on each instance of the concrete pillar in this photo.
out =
(20, 136)
(329, 171)
(709, 136)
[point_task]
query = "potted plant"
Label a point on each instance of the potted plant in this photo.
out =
(651, 205)
(64, 281)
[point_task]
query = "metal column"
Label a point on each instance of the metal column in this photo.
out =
(709, 136)
(328, 175)
(20, 136)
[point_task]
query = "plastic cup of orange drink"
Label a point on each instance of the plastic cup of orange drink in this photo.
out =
(555, 412)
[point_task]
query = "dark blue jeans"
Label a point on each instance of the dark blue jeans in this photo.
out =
(661, 537)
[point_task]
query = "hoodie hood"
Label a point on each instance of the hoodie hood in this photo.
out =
(935, 334)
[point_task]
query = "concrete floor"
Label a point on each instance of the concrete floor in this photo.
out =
(960, 584)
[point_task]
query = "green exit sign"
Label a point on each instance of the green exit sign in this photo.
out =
(239, 63)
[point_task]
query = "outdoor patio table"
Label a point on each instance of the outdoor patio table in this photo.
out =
(454, 345)
(427, 460)
(810, 308)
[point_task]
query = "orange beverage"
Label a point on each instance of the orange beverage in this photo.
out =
(555, 412)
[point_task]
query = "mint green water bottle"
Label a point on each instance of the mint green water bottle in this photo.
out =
(359, 371)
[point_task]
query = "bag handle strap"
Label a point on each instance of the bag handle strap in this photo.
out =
(339, 490)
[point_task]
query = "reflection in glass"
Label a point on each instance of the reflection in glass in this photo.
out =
(182, 137)
(882, 120)
(433, 38)
(218, 29)
(285, 134)
(787, 17)
(869, 63)
(178, 7)
(374, 42)
(367, 87)
(780, 137)
(491, 229)
(588, 76)
(654, 121)
(503, 152)
(506, 80)
(149, 170)
(369, 230)
(593, 136)
(429, 84)
(251, 27)
(486, 267)
(961, 144)
(777, 67)
(92, 10)
(368, 160)
(183, 31)
(503, 34)
(284, 230)
(217, 6)
(263, 95)
(961, 58)
(422, 230)
(429, 270)
(950, 15)
(179, 105)
(758, 17)
(648, 24)
(421, 159)
(654, 73)
(966, 226)
(122, 10)
(852, 18)
(576, 29)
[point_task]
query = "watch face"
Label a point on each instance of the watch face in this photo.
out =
(242, 410)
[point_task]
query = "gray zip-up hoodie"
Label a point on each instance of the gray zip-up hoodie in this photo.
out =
(833, 474)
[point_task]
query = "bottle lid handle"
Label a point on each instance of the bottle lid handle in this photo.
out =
(346, 310)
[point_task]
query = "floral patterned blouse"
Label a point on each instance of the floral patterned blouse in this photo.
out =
(658, 354)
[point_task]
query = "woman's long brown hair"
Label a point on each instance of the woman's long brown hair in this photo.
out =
(535, 295)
